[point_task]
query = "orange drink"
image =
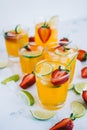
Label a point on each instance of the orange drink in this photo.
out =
(65, 54)
(46, 32)
(29, 56)
(15, 38)
(52, 80)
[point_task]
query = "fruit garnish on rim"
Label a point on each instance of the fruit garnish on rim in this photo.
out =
(32, 39)
(59, 76)
(82, 55)
(44, 32)
(27, 81)
(84, 95)
(64, 41)
(18, 29)
(84, 72)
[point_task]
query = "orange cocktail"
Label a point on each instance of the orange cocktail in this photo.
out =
(65, 54)
(15, 38)
(46, 32)
(29, 56)
(52, 80)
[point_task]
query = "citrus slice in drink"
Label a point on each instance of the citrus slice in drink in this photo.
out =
(18, 29)
(42, 114)
(32, 54)
(14, 77)
(26, 97)
(44, 68)
(78, 109)
(53, 22)
(61, 53)
(79, 87)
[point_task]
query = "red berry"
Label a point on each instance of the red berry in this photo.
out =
(31, 39)
(84, 95)
(59, 77)
(82, 55)
(84, 72)
(65, 124)
(27, 81)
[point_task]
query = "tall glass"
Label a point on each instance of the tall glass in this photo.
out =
(15, 38)
(52, 90)
(29, 56)
(46, 31)
(65, 54)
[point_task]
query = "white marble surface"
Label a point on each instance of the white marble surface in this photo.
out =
(14, 115)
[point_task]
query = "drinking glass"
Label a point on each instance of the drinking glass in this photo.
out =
(52, 95)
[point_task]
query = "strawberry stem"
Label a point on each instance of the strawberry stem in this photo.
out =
(73, 117)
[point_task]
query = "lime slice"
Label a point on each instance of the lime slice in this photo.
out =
(79, 87)
(71, 86)
(42, 114)
(58, 52)
(78, 109)
(44, 68)
(18, 29)
(26, 97)
(53, 22)
(13, 77)
(32, 54)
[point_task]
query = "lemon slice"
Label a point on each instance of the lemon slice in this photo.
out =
(26, 97)
(58, 52)
(78, 109)
(42, 114)
(71, 86)
(44, 68)
(32, 54)
(79, 87)
(53, 22)
(13, 77)
(18, 29)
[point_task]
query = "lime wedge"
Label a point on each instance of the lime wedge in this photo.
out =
(26, 97)
(79, 87)
(53, 22)
(78, 109)
(18, 29)
(32, 54)
(13, 77)
(71, 86)
(42, 114)
(44, 68)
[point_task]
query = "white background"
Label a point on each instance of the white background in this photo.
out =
(24, 11)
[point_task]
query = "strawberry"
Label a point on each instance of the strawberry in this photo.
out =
(27, 81)
(65, 124)
(44, 32)
(82, 55)
(60, 47)
(59, 76)
(84, 72)
(64, 41)
(31, 39)
(10, 35)
(84, 95)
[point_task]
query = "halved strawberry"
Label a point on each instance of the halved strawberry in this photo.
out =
(84, 95)
(59, 76)
(60, 47)
(82, 55)
(27, 81)
(44, 32)
(65, 124)
(32, 39)
(64, 41)
(10, 35)
(84, 72)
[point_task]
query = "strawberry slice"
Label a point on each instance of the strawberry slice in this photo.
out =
(32, 39)
(84, 72)
(44, 32)
(64, 41)
(10, 35)
(59, 76)
(82, 55)
(27, 81)
(60, 47)
(84, 95)
(65, 124)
